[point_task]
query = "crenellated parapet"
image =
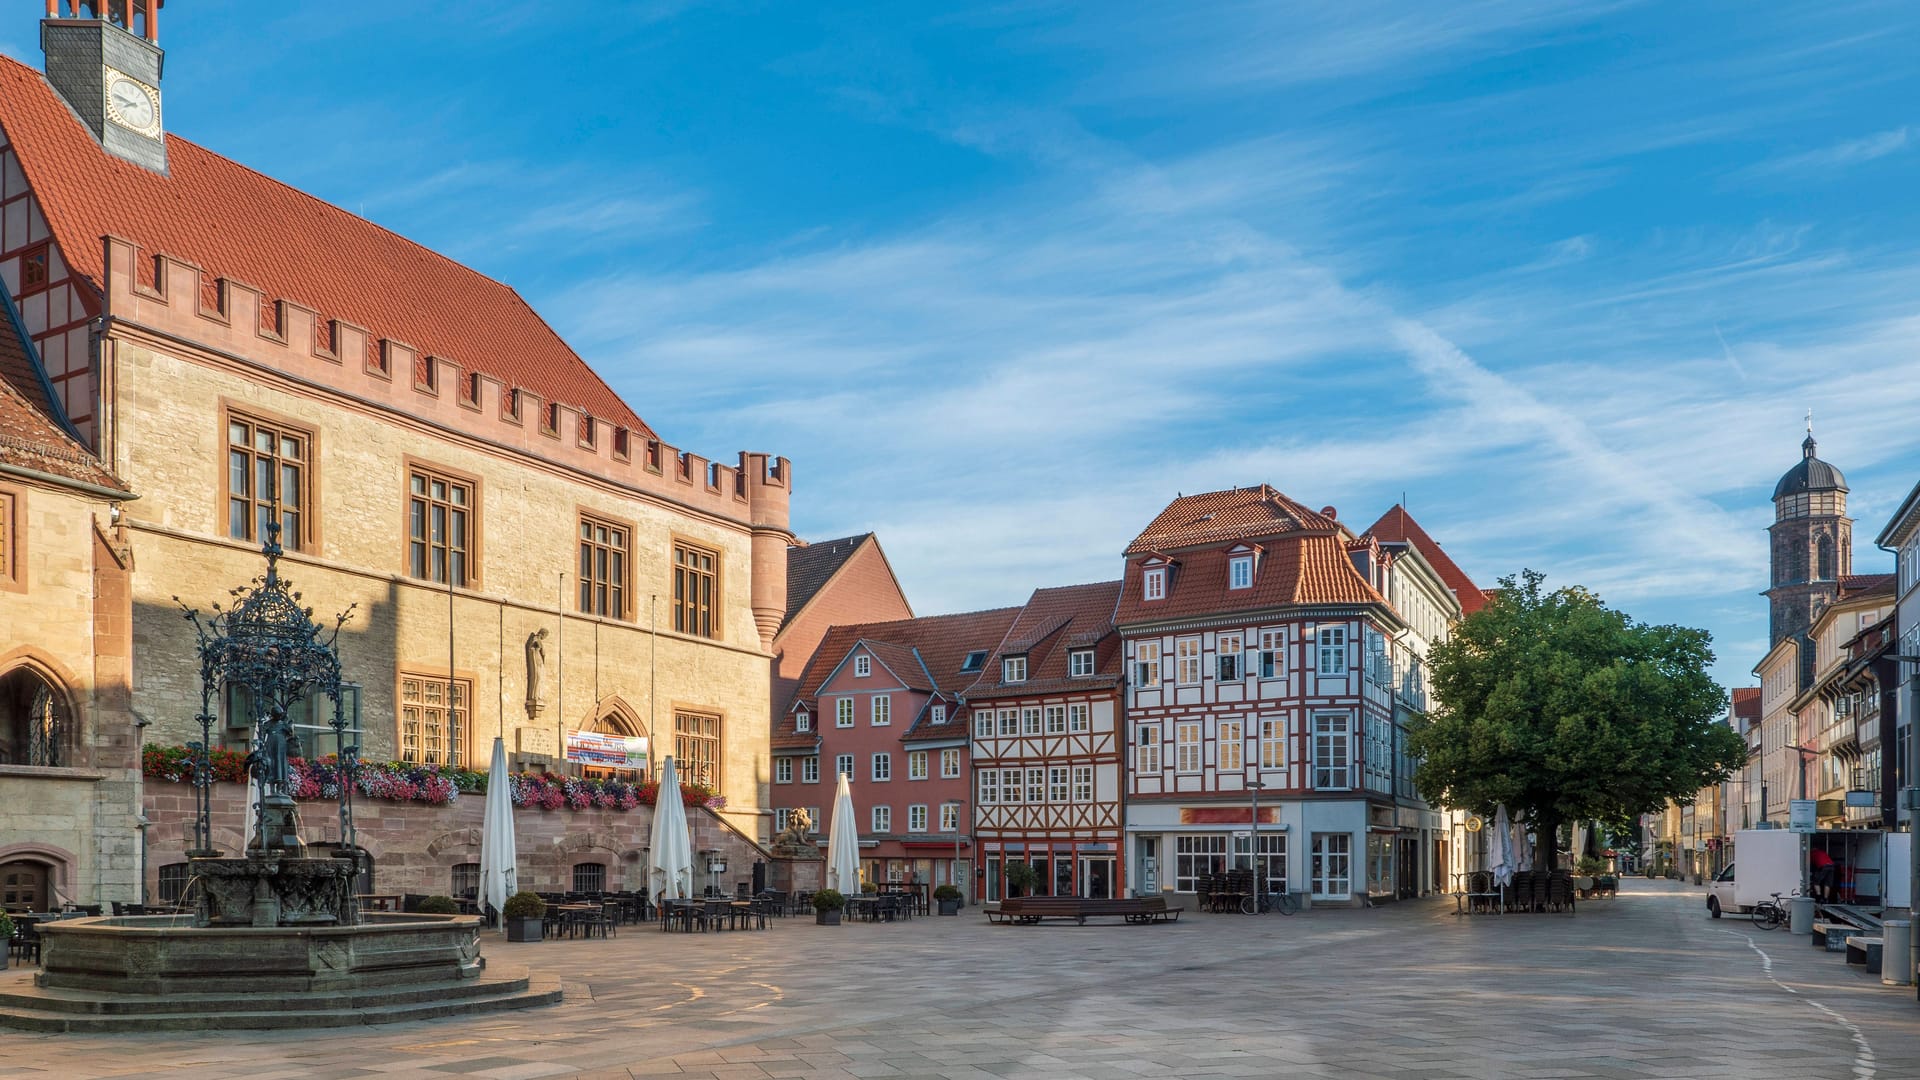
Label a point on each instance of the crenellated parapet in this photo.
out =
(178, 299)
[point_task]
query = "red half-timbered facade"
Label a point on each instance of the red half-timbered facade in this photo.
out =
(1265, 708)
(1046, 722)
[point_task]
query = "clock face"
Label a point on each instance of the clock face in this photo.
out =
(132, 103)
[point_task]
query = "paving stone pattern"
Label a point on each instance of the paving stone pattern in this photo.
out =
(1645, 985)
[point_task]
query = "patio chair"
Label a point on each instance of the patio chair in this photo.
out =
(1539, 892)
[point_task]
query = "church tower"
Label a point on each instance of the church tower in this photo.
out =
(104, 58)
(1812, 544)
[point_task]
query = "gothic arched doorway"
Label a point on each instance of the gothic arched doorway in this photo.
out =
(615, 719)
(23, 886)
(33, 720)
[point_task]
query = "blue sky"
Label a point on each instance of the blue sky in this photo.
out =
(1001, 279)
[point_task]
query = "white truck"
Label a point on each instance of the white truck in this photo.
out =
(1871, 870)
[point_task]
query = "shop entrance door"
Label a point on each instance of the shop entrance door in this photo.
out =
(1409, 884)
(1096, 877)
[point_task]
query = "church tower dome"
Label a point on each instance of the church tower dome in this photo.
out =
(1810, 475)
(1811, 543)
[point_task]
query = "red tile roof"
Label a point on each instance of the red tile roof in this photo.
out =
(1311, 569)
(1855, 585)
(1746, 702)
(236, 223)
(1054, 623)
(29, 439)
(1398, 526)
(926, 653)
(1219, 516)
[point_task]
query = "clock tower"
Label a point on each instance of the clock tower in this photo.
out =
(104, 58)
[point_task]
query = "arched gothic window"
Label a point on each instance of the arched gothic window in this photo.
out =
(1823, 558)
(33, 720)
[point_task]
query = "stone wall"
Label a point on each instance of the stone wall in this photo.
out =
(170, 441)
(416, 846)
(64, 616)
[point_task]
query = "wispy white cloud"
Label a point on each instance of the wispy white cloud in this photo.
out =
(1840, 155)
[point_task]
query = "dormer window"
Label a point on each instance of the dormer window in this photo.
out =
(862, 666)
(1153, 586)
(975, 660)
(802, 722)
(1014, 669)
(1080, 663)
(938, 714)
(1240, 572)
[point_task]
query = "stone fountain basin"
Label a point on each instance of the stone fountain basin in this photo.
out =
(167, 954)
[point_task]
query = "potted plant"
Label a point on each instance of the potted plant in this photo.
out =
(6, 939)
(949, 897)
(1585, 871)
(826, 907)
(526, 916)
(438, 905)
(1022, 878)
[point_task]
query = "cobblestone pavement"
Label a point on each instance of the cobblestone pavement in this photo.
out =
(1644, 985)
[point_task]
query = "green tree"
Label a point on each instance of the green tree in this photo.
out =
(1567, 710)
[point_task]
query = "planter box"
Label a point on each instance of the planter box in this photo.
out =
(525, 929)
(827, 918)
(949, 907)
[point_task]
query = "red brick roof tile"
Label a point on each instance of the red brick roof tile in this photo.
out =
(1054, 623)
(1218, 516)
(1398, 526)
(930, 649)
(29, 439)
(1310, 569)
(236, 223)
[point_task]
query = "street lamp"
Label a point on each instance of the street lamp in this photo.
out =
(1253, 851)
(959, 808)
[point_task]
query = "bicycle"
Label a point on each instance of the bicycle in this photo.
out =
(1771, 914)
(1283, 902)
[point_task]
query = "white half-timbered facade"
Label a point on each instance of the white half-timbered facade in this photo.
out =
(1046, 747)
(1268, 678)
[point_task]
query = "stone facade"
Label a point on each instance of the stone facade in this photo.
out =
(72, 824)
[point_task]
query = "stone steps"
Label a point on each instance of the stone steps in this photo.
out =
(40, 1009)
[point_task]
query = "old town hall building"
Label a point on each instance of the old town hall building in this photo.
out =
(523, 554)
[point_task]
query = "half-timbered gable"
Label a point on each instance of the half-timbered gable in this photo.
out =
(1047, 746)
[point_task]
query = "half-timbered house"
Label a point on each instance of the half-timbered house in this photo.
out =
(1260, 645)
(1046, 746)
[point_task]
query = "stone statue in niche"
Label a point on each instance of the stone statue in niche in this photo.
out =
(536, 672)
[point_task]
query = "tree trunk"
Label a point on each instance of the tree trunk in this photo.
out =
(1546, 829)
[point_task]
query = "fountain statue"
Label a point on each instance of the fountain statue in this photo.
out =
(267, 647)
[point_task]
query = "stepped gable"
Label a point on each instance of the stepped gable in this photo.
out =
(811, 566)
(29, 440)
(1398, 526)
(235, 223)
(1054, 622)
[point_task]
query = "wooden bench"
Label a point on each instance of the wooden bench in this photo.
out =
(1868, 949)
(1028, 910)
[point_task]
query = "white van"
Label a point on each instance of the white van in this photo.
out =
(1720, 893)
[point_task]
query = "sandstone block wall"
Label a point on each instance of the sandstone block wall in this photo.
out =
(171, 439)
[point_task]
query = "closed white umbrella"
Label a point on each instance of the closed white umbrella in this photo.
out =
(670, 856)
(1499, 853)
(499, 855)
(843, 843)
